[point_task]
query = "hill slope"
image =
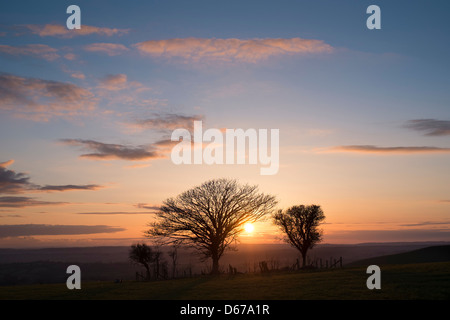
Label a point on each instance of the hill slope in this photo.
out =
(399, 282)
(430, 254)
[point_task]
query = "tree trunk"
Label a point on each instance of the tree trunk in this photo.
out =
(148, 271)
(304, 259)
(215, 265)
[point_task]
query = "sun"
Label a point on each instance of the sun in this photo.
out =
(249, 227)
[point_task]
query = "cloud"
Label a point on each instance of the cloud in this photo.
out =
(61, 31)
(111, 49)
(388, 150)
(68, 187)
(40, 100)
(35, 50)
(114, 82)
(6, 163)
(70, 56)
(116, 212)
(147, 206)
(425, 223)
(78, 75)
(106, 151)
(120, 91)
(14, 183)
(399, 235)
(230, 50)
(19, 230)
(430, 127)
(166, 143)
(21, 202)
(140, 165)
(167, 122)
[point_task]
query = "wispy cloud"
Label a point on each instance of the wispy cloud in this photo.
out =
(394, 235)
(388, 150)
(78, 75)
(35, 50)
(6, 163)
(121, 91)
(70, 187)
(12, 182)
(164, 122)
(18, 230)
(114, 82)
(147, 206)
(40, 100)
(70, 56)
(230, 50)
(106, 151)
(56, 30)
(169, 121)
(12, 216)
(21, 202)
(116, 213)
(430, 127)
(111, 49)
(425, 223)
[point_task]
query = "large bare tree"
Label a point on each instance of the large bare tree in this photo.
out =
(300, 226)
(209, 217)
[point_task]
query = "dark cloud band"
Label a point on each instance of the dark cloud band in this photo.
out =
(19, 230)
(431, 127)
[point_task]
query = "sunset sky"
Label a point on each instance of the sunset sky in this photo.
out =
(85, 115)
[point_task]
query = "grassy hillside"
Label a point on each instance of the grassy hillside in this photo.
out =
(398, 282)
(430, 254)
(55, 272)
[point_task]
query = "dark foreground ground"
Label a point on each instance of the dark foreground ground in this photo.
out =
(421, 274)
(38, 266)
(424, 281)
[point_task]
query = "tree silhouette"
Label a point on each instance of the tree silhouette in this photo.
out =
(142, 254)
(173, 254)
(209, 217)
(300, 226)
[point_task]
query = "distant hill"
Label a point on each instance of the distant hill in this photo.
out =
(69, 254)
(429, 254)
(423, 281)
(28, 266)
(246, 253)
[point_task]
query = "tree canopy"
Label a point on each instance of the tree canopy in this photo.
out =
(300, 226)
(209, 217)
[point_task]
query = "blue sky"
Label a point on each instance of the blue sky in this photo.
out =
(353, 106)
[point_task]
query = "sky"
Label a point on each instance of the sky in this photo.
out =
(86, 115)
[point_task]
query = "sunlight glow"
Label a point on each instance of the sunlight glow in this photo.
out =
(249, 227)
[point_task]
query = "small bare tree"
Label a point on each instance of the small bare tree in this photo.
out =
(300, 226)
(142, 254)
(173, 254)
(209, 217)
(157, 259)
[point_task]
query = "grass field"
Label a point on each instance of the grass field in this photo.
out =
(424, 281)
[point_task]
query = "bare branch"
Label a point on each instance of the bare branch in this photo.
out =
(209, 217)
